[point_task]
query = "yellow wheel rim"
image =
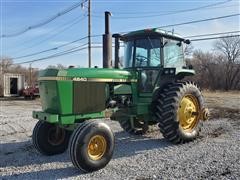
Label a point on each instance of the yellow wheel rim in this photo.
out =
(189, 112)
(97, 147)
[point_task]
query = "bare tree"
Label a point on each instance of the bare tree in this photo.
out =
(58, 66)
(5, 63)
(219, 69)
(207, 68)
(229, 49)
(188, 50)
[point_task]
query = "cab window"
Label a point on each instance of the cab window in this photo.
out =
(173, 53)
(142, 53)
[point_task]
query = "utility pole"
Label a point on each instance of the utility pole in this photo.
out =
(89, 33)
(30, 75)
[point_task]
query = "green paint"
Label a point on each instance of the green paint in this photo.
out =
(65, 91)
(122, 89)
(49, 97)
(153, 31)
(73, 95)
(65, 119)
(52, 118)
(48, 73)
(99, 73)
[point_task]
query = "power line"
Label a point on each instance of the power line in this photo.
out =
(173, 12)
(211, 38)
(213, 34)
(58, 54)
(201, 20)
(80, 39)
(75, 49)
(51, 49)
(157, 12)
(195, 21)
(43, 22)
(55, 55)
(54, 48)
(56, 33)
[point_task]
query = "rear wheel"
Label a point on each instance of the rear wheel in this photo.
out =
(91, 146)
(49, 139)
(178, 112)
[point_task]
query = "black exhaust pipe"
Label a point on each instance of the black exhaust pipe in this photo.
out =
(107, 43)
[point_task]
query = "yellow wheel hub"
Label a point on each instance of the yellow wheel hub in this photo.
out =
(97, 147)
(189, 112)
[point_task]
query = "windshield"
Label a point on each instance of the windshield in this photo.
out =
(173, 53)
(142, 53)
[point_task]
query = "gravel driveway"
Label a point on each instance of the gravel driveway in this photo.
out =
(214, 155)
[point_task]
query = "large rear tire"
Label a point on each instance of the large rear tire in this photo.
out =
(178, 112)
(91, 146)
(49, 139)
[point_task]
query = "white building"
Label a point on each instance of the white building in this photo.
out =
(12, 84)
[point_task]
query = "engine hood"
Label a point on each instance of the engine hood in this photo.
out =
(89, 74)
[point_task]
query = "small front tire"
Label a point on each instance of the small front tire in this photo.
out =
(49, 139)
(91, 146)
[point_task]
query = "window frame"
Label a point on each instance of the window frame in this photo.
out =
(164, 63)
(162, 55)
(135, 48)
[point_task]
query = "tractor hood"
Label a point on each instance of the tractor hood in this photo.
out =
(78, 90)
(88, 74)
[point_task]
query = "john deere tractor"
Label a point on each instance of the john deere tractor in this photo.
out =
(143, 89)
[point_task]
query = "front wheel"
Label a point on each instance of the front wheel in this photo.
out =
(91, 146)
(50, 139)
(178, 112)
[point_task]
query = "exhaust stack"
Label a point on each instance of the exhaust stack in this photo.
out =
(107, 43)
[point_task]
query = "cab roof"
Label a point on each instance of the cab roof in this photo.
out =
(151, 32)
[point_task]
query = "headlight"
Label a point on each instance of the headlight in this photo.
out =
(169, 71)
(166, 71)
(172, 71)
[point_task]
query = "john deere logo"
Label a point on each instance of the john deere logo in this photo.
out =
(79, 79)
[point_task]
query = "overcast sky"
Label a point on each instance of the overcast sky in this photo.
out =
(19, 14)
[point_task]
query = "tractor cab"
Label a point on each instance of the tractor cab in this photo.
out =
(154, 54)
(152, 48)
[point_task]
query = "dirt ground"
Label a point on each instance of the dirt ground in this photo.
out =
(214, 155)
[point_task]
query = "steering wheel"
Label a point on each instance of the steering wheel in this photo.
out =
(141, 59)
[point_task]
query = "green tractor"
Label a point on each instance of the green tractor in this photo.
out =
(148, 89)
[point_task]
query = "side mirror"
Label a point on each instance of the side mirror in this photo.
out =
(187, 41)
(190, 66)
(116, 35)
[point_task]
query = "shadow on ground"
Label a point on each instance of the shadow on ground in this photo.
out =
(23, 154)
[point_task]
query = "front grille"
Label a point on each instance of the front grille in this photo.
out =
(89, 97)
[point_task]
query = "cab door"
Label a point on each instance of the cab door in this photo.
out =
(147, 61)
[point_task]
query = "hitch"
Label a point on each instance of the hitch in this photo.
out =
(205, 114)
